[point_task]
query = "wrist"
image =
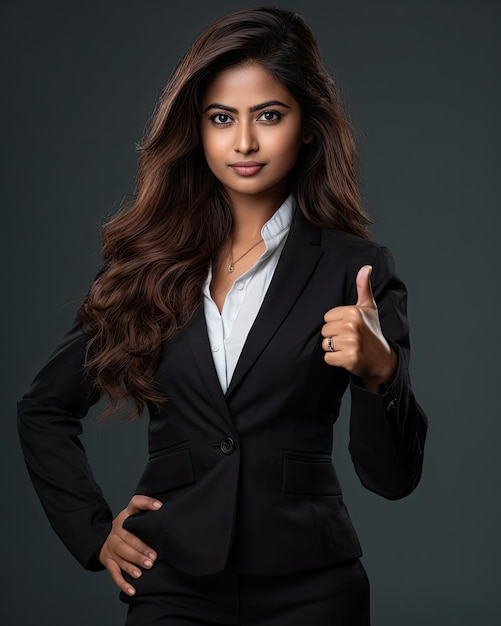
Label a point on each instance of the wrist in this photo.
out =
(385, 376)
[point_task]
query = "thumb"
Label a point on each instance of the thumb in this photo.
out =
(364, 289)
(143, 503)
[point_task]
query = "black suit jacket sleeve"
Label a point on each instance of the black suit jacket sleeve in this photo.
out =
(49, 426)
(388, 429)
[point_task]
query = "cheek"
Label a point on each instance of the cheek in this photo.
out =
(292, 146)
(206, 140)
(213, 145)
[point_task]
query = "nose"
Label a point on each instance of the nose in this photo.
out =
(246, 140)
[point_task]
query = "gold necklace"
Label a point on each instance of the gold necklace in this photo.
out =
(231, 266)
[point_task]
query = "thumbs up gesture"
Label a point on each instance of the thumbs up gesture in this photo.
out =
(353, 338)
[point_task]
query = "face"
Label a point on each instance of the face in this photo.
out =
(251, 132)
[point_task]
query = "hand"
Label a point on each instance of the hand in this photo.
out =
(124, 551)
(355, 336)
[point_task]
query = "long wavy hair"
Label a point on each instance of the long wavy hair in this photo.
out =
(157, 250)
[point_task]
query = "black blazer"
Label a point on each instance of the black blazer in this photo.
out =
(246, 477)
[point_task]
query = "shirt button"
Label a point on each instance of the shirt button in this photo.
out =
(240, 286)
(214, 347)
(227, 445)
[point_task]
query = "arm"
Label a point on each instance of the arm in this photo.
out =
(49, 424)
(387, 426)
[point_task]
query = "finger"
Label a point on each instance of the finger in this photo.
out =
(335, 359)
(133, 570)
(122, 551)
(340, 343)
(143, 503)
(138, 547)
(336, 314)
(364, 289)
(335, 327)
(329, 344)
(118, 579)
(346, 354)
(348, 324)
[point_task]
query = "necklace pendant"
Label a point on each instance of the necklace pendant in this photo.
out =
(231, 266)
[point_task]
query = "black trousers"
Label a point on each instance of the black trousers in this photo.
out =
(332, 596)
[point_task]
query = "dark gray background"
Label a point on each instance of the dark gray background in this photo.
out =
(420, 80)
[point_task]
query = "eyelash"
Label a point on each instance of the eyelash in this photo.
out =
(213, 118)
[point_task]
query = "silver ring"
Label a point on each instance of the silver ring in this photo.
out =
(330, 345)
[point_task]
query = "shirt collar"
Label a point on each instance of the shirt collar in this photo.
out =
(273, 233)
(278, 225)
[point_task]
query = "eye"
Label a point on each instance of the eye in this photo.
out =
(269, 116)
(220, 119)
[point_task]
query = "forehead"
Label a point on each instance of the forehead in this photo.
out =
(245, 86)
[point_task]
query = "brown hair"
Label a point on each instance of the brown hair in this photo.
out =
(157, 250)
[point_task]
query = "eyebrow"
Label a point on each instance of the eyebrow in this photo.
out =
(256, 107)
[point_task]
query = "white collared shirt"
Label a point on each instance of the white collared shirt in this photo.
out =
(228, 330)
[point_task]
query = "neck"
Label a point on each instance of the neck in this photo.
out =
(251, 213)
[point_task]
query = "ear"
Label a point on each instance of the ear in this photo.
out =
(307, 136)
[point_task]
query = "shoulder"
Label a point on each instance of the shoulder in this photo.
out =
(343, 255)
(350, 251)
(343, 252)
(336, 243)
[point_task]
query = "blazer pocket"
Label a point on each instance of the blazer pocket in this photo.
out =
(168, 471)
(312, 475)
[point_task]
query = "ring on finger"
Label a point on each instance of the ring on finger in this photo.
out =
(330, 344)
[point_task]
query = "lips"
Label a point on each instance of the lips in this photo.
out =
(247, 168)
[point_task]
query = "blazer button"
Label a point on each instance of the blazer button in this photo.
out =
(227, 445)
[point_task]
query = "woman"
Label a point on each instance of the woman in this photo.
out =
(239, 297)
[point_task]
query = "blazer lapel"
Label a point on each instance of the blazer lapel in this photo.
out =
(297, 262)
(198, 340)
